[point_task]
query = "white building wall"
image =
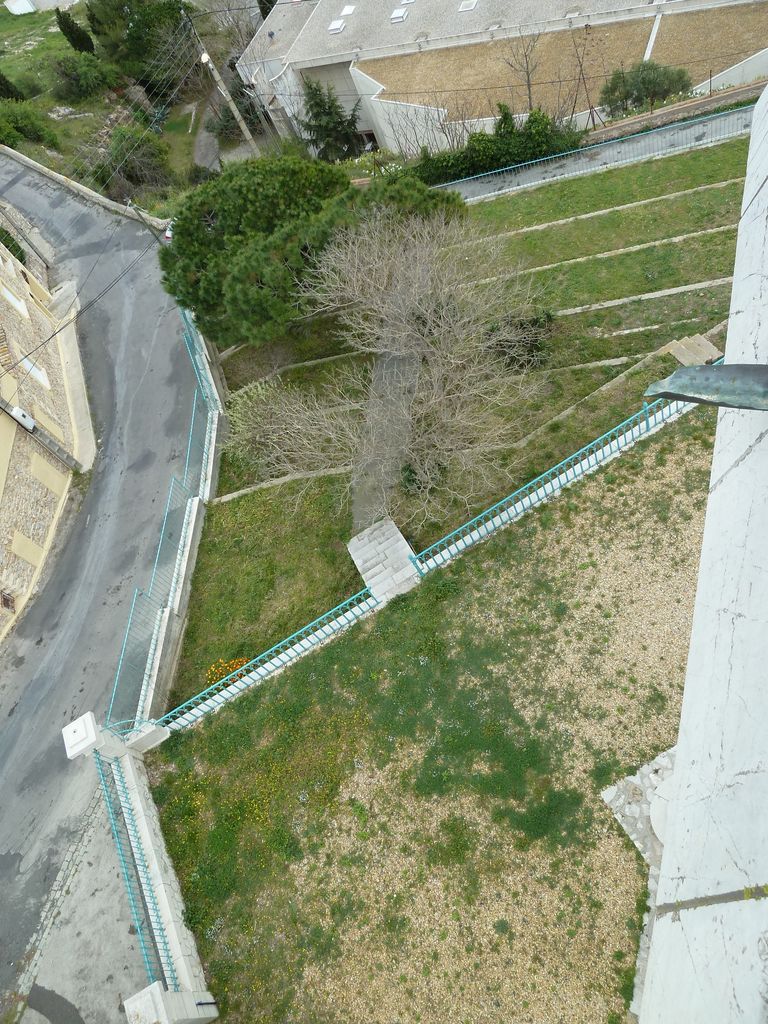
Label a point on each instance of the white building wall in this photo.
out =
(708, 961)
(750, 70)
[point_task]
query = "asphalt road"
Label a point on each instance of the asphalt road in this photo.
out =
(60, 661)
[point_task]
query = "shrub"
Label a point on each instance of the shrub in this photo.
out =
(137, 157)
(9, 91)
(81, 75)
(508, 145)
(19, 121)
(644, 83)
(13, 247)
(223, 124)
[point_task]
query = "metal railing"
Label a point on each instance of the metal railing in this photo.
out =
(537, 491)
(548, 484)
(131, 687)
(707, 130)
(150, 899)
(271, 661)
(140, 915)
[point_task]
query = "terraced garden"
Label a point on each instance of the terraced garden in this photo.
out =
(256, 592)
(406, 825)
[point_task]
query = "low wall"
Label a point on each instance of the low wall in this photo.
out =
(744, 73)
(84, 191)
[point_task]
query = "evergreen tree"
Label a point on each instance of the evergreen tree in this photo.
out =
(8, 90)
(265, 6)
(131, 33)
(75, 34)
(331, 131)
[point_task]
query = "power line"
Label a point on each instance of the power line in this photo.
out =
(82, 311)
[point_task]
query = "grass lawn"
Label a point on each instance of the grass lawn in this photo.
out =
(634, 273)
(613, 188)
(254, 552)
(636, 226)
(406, 825)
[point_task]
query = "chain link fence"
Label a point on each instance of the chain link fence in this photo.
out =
(150, 606)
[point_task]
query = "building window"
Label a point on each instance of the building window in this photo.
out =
(18, 304)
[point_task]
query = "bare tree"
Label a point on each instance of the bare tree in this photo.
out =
(522, 58)
(422, 420)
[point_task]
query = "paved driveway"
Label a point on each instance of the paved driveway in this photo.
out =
(61, 659)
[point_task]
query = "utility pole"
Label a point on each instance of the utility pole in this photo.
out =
(205, 59)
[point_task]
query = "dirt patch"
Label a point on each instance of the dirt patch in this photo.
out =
(533, 931)
(471, 80)
(711, 41)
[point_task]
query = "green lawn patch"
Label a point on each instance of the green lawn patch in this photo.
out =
(635, 273)
(622, 228)
(615, 187)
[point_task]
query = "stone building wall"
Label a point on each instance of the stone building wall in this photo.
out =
(33, 484)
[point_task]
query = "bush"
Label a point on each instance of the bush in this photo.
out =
(508, 145)
(646, 83)
(223, 124)
(9, 91)
(81, 75)
(20, 121)
(137, 157)
(13, 247)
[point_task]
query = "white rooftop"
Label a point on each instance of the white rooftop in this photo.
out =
(709, 949)
(301, 27)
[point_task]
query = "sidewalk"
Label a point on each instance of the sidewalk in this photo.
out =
(85, 960)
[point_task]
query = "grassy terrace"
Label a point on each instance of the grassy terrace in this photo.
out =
(406, 825)
(268, 565)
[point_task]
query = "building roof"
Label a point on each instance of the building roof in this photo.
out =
(302, 33)
(469, 80)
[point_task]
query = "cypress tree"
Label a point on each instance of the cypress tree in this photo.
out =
(75, 34)
(8, 90)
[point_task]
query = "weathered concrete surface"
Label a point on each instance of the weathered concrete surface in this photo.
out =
(89, 960)
(709, 951)
(383, 558)
(61, 659)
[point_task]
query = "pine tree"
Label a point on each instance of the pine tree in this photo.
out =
(75, 34)
(330, 129)
(8, 90)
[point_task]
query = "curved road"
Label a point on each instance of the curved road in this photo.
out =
(60, 661)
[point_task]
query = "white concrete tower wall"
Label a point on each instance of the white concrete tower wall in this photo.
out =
(708, 960)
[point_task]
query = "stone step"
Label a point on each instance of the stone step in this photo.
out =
(694, 350)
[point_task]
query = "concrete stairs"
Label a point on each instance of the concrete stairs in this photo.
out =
(383, 558)
(693, 351)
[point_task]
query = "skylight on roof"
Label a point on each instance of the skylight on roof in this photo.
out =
(467, 5)
(346, 11)
(336, 26)
(399, 14)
